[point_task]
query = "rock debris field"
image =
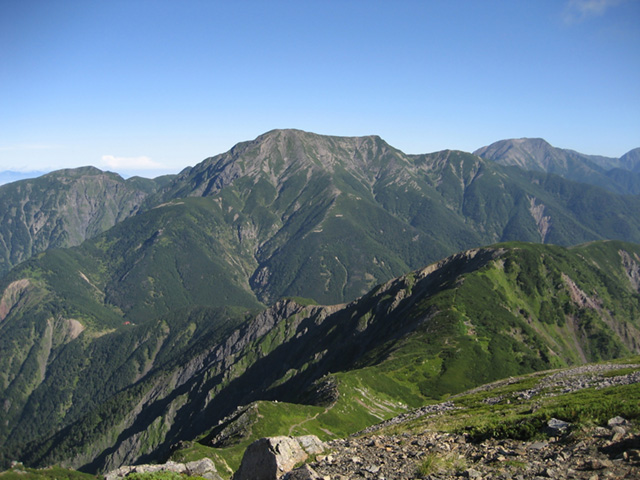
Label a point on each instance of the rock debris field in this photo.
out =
(444, 456)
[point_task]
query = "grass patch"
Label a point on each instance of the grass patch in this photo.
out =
(525, 421)
(619, 372)
(305, 302)
(51, 473)
(432, 464)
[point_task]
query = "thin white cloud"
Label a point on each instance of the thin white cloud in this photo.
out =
(131, 163)
(577, 11)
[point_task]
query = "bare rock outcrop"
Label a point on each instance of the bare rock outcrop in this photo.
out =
(271, 458)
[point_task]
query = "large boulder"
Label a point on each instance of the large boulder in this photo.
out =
(305, 472)
(202, 468)
(270, 458)
(311, 444)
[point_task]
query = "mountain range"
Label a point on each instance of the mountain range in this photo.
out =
(288, 203)
(280, 270)
(619, 175)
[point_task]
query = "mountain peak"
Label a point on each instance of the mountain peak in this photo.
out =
(618, 175)
(303, 134)
(631, 160)
(538, 141)
(279, 154)
(528, 153)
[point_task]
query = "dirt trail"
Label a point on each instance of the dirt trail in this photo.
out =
(293, 427)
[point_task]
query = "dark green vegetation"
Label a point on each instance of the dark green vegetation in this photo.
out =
(619, 175)
(295, 202)
(151, 332)
(52, 473)
(63, 208)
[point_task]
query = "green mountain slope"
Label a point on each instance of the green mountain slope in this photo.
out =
(291, 203)
(298, 200)
(63, 208)
(631, 160)
(472, 318)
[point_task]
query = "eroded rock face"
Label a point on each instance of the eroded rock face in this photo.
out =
(12, 295)
(271, 458)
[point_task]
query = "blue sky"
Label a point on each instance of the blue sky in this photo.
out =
(151, 87)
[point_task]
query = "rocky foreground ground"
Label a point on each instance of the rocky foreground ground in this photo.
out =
(604, 453)
(596, 453)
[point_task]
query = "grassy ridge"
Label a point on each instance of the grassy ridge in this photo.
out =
(477, 317)
(478, 326)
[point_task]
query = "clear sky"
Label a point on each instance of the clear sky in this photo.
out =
(149, 87)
